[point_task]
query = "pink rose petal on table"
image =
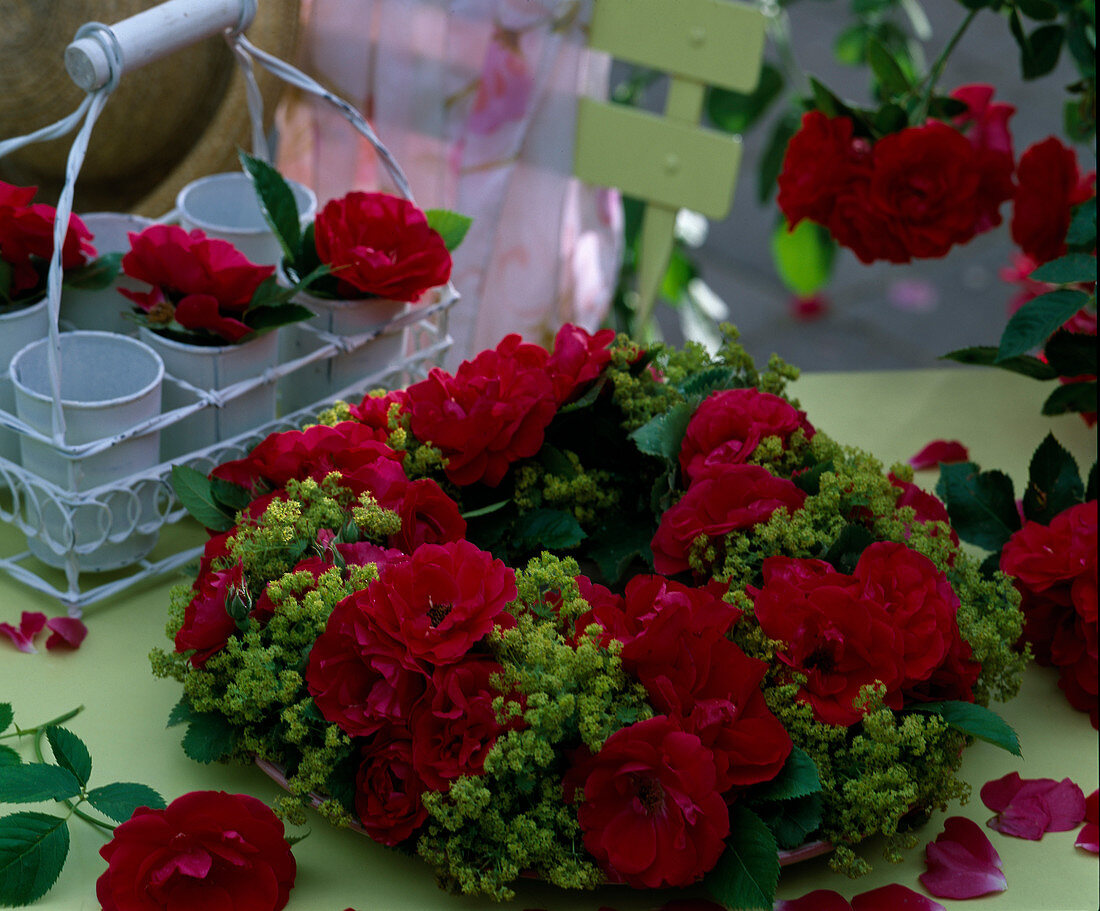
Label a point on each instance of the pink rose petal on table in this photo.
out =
(818, 900)
(1088, 838)
(66, 632)
(1031, 807)
(961, 862)
(940, 451)
(30, 625)
(894, 898)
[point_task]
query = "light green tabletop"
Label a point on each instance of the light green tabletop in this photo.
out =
(892, 414)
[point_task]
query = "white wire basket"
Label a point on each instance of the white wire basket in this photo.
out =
(55, 532)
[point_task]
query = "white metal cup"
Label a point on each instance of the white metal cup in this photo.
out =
(109, 384)
(225, 206)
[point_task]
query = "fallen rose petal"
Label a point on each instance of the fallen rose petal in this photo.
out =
(818, 900)
(961, 862)
(894, 898)
(1088, 839)
(939, 452)
(66, 632)
(30, 625)
(1030, 807)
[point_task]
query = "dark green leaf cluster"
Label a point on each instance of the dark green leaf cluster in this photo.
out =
(35, 845)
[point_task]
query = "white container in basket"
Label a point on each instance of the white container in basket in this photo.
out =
(109, 384)
(18, 328)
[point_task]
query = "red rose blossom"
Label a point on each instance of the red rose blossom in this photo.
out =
(207, 849)
(440, 602)
(837, 637)
(577, 359)
(822, 159)
(388, 790)
(651, 815)
(374, 410)
(725, 499)
(730, 423)
(26, 241)
(493, 411)
(1055, 569)
(205, 283)
(380, 246)
(985, 124)
(207, 625)
(1050, 185)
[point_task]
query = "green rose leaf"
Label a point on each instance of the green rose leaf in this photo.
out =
(1037, 320)
(846, 549)
(986, 356)
(617, 543)
(1077, 398)
(663, 435)
(31, 782)
(850, 46)
(735, 112)
(747, 873)
(209, 737)
(974, 720)
(797, 778)
(1071, 353)
(70, 753)
(8, 756)
(229, 495)
(771, 160)
(486, 510)
(810, 481)
(552, 529)
(803, 257)
(7, 273)
(1039, 10)
(1090, 486)
(96, 275)
(451, 226)
(6, 716)
(1082, 225)
(1054, 482)
(195, 492)
(1040, 56)
(890, 77)
(277, 204)
(981, 505)
(33, 848)
(1073, 267)
(792, 821)
(678, 274)
(119, 800)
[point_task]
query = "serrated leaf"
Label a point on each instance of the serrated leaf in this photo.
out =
(33, 848)
(229, 495)
(556, 462)
(771, 159)
(30, 782)
(1037, 320)
(1044, 46)
(975, 720)
(845, 551)
(1066, 270)
(810, 481)
(700, 385)
(663, 435)
(181, 713)
(70, 753)
(6, 716)
(1071, 353)
(981, 505)
(617, 544)
(8, 756)
(793, 821)
(550, 529)
(451, 226)
(1054, 482)
(96, 275)
(195, 492)
(889, 75)
(118, 801)
(986, 356)
(735, 112)
(1079, 398)
(277, 204)
(209, 737)
(803, 257)
(1082, 225)
(797, 778)
(747, 873)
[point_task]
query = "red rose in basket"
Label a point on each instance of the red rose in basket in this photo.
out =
(203, 290)
(379, 245)
(26, 244)
(207, 849)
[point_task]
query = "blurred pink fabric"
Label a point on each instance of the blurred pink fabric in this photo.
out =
(476, 99)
